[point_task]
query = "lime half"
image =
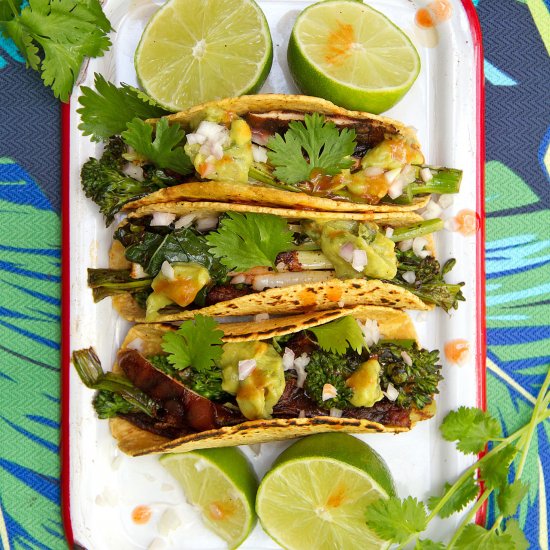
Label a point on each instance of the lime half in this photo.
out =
(222, 484)
(193, 51)
(316, 493)
(351, 54)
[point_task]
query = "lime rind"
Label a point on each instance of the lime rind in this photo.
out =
(218, 472)
(314, 79)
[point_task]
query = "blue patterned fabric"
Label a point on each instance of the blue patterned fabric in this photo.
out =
(518, 272)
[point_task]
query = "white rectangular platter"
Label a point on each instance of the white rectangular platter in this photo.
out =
(103, 485)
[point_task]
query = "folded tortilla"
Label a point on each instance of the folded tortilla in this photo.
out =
(228, 191)
(332, 294)
(136, 441)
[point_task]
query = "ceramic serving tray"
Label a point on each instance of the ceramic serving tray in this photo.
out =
(101, 486)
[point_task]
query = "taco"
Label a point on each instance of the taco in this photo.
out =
(172, 260)
(174, 390)
(274, 150)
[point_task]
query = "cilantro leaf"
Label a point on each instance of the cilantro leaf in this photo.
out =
(249, 240)
(475, 536)
(471, 427)
(510, 497)
(106, 111)
(165, 150)
(327, 149)
(467, 492)
(395, 520)
(66, 31)
(518, 538)
(197, 343)
(339, 335)
(428, 544)
(494, 470)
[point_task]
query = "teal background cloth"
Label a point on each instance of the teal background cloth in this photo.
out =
(516, 37)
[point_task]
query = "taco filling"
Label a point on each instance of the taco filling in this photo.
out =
(204, 258)
(178, 382)
(361, 160)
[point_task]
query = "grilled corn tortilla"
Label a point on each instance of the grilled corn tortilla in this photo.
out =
(230, 191)
(136, 441)
(318, 296)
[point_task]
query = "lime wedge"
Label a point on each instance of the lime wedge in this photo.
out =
(351, 54)
(193, 51)
(316, 492)
(222, 484)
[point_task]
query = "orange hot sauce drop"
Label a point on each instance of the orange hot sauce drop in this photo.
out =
(467, 222)
(456, 351)
(434, 13)
(141, 514)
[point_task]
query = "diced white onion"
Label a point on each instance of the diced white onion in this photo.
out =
(136, 343)
(281, 266)
(185, 221)
(371, 331)
(211, 130)
(134, 171)
(389, 232)
(426, 174)
(288, 359)
(359, 260)
(259, 154)
(302, 414)
(432, 210)
(341, 303)
(301, 374)
(337, 413)
(169, 521)
(137, 272)
(167, 270)
(346, 252)
(246, 367)
(408, 174)
(391, 393)
(162, 218)
(373, 171)
(409, 276)
(261, 317)
(193, 139)
(405, 245)
(445, 201)
(391, 175)
(418, 246)
(407, 358)
(329, 392)
(396, 188)
(288, 278)
(238, 279)
(302, 361)
(205, 224)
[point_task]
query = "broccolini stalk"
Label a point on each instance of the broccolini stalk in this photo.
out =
(444, 181)
(88, 367)
(417, 230)
(429, 284)
(110, 282)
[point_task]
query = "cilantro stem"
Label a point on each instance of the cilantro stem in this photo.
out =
(469, 516)
(265, 178)
(12, 7)
(525, 444)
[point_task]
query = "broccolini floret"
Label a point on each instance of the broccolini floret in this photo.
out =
(108, 405)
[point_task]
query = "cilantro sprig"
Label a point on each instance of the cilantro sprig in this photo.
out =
(165, 150)
(340, 335)
(403, 521)
(315, 144)
(54, 37)
(197, 343)
(249, 240)
(107, 110)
